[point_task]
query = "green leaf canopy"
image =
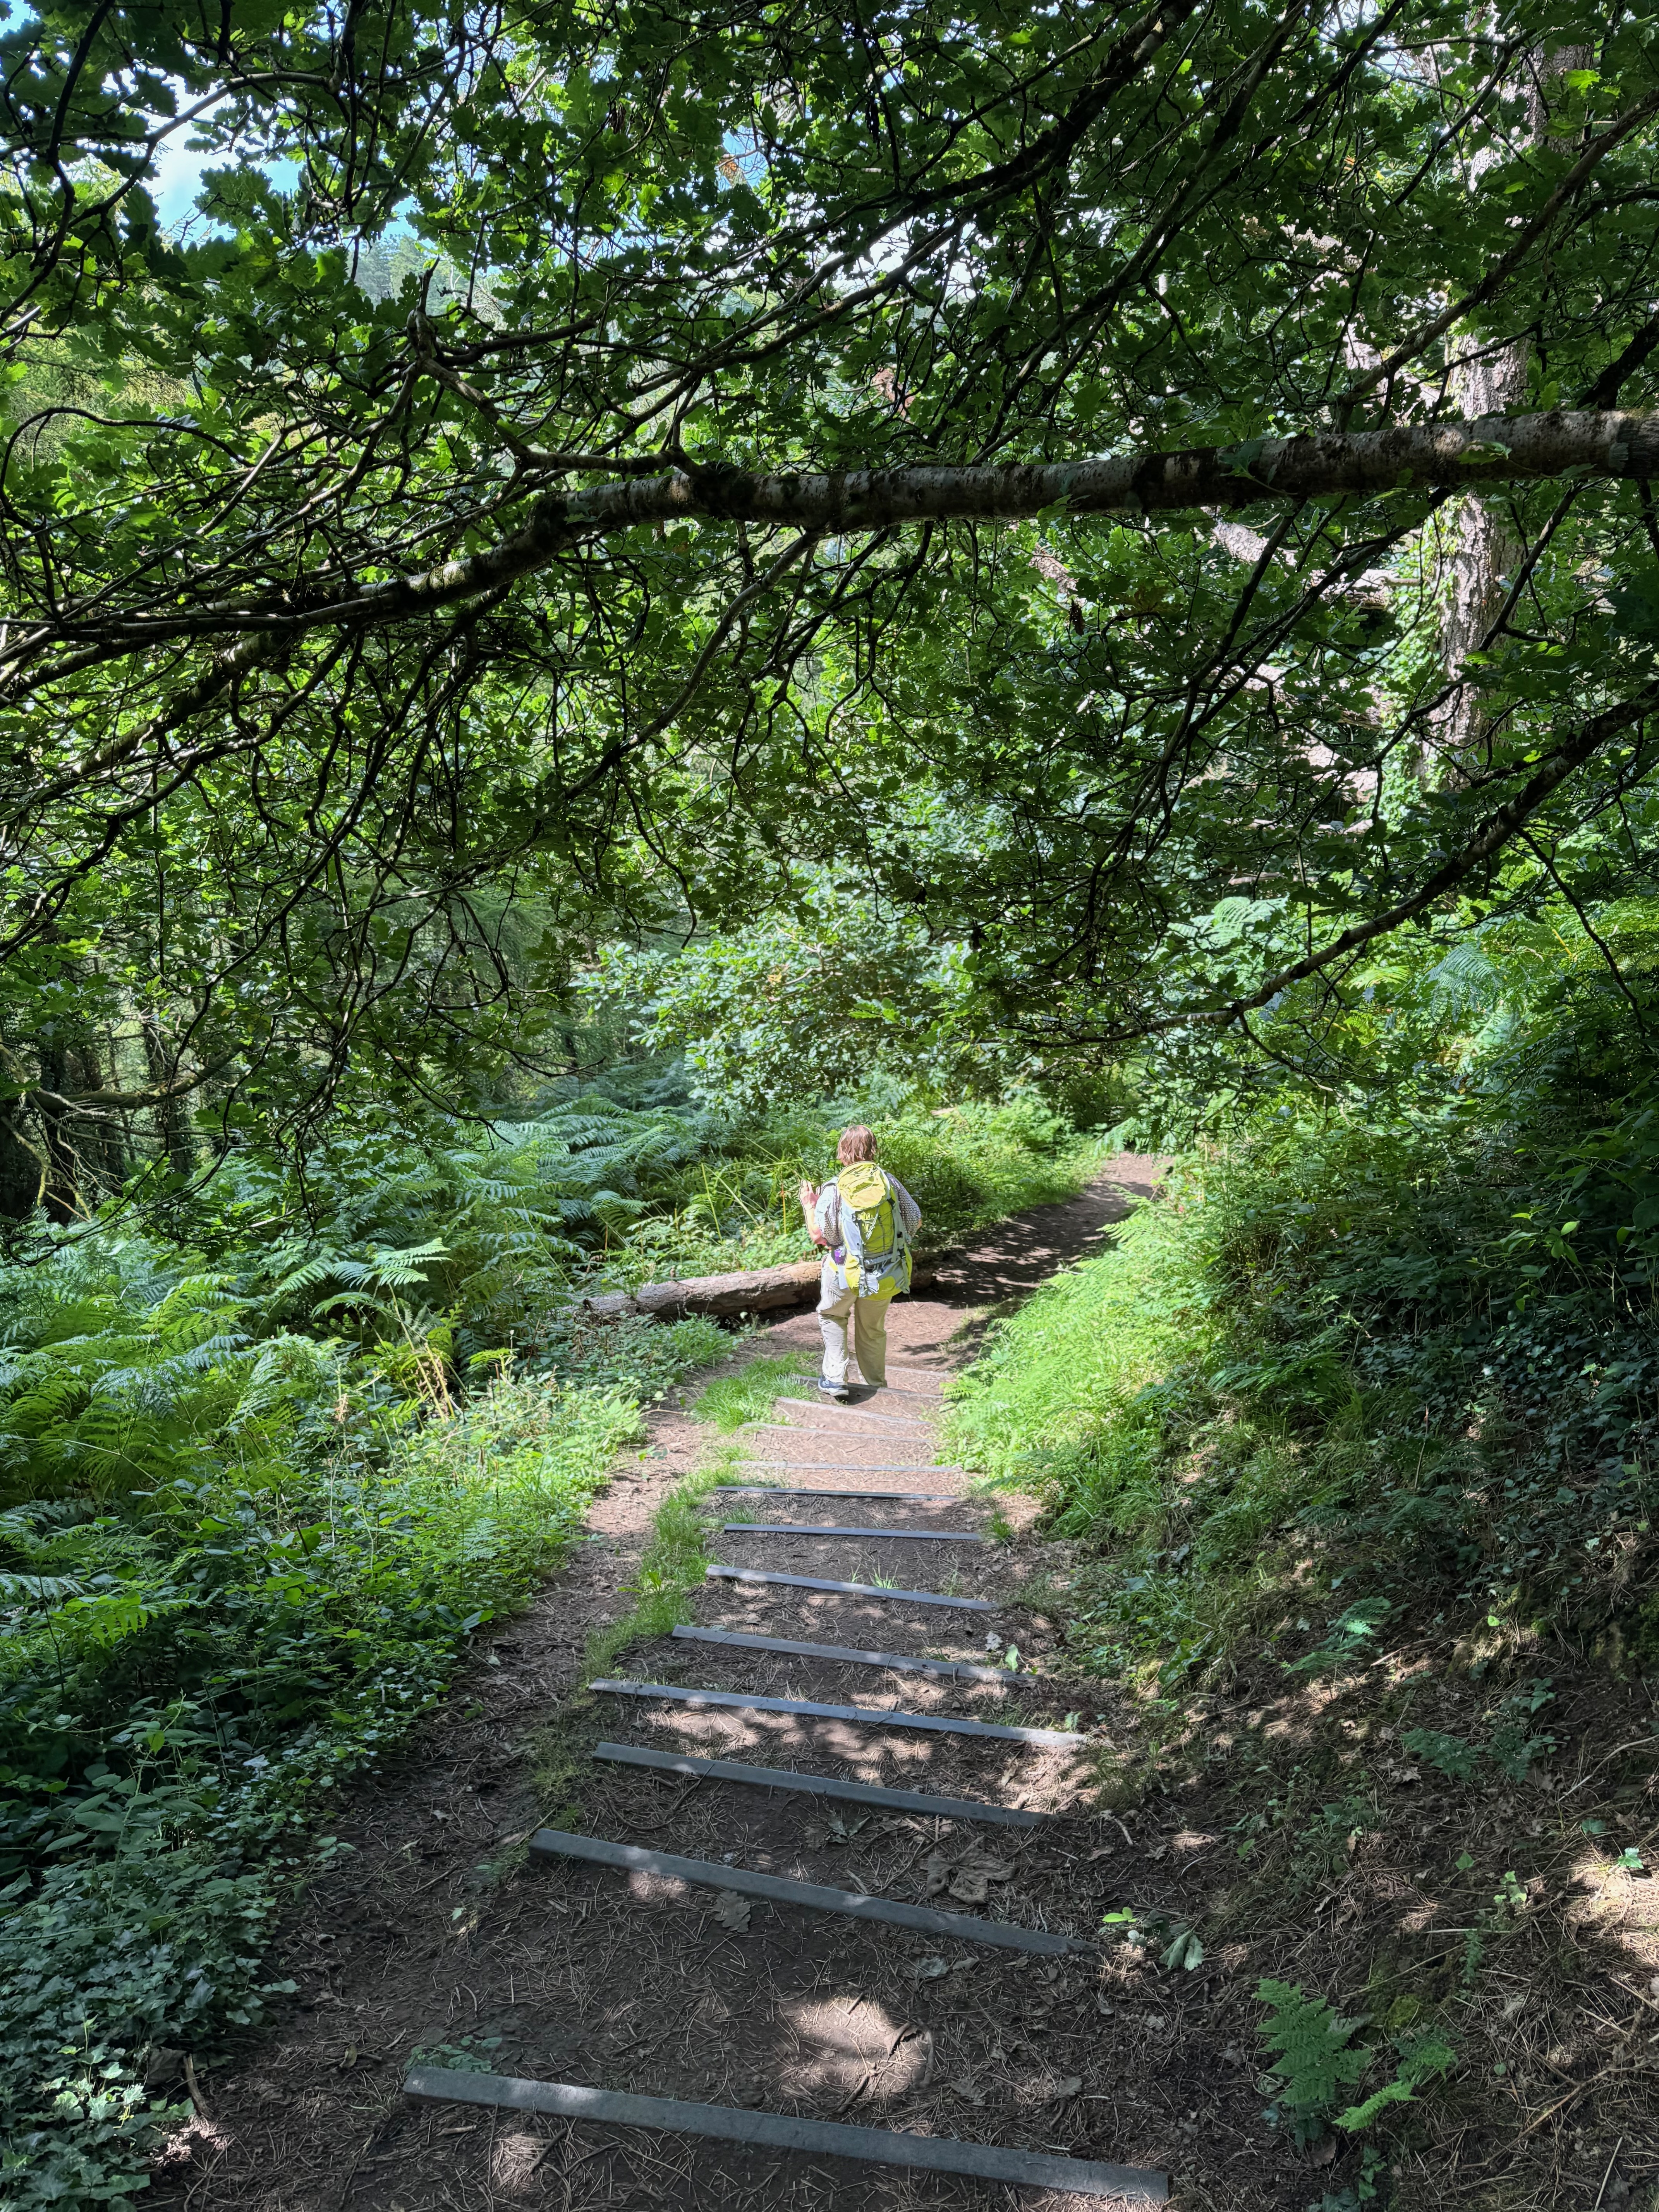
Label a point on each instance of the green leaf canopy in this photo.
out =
(997, 476)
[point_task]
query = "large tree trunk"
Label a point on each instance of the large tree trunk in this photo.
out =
(1485, 549)
(171, 1116)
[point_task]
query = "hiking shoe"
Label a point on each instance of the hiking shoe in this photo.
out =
(838, 1391)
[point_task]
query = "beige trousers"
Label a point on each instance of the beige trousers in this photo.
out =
(852, 1324)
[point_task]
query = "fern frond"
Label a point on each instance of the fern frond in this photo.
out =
(50, 1397)
(38, 1589)
(404, 1270)
(324, 1267)
(1315, 2059)
(1423, 2059)
(22, 1524)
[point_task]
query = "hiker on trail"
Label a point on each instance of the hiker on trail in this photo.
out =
(863, 1219)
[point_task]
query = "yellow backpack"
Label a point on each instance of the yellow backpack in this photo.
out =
(878, 1260)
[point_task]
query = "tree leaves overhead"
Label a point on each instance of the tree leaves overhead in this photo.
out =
(303, 773)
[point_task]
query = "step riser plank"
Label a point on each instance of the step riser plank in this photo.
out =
(821, 1436)
(839, 1466)
(863, 1496)
(887, 1386)
(961, 1670)
(723, 1573)
(854, 1413)
(887, 1390)
(436, 2085)
(818, 1785)
(775, 1889)
(811, 1529)
(876, 1716)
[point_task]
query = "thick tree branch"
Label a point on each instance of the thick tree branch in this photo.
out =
(1420, 457)
(154, 1094)
(183, 706)
(1604, 393)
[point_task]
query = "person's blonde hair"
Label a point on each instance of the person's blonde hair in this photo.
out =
(857, 1143)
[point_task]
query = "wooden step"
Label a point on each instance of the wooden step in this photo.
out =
(813, 1897)
(818, 1785)
(887, 1390)
(840, 1467)
(876, 1716)
(816, 1528)
(720, 1572)
(845, 1413)
(843, 1654)
(785, 2131)
(892, 1497)
(821, 1436)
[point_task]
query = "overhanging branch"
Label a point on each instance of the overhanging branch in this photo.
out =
(1502, 826)
(1420, 457)
(125, 1101)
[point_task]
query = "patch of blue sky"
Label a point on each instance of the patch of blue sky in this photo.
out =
(176, 169)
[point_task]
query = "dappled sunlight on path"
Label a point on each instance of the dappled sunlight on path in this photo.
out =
(672, 1961)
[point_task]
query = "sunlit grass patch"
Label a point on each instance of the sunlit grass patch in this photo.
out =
(731, 1400)
(1055, 1403)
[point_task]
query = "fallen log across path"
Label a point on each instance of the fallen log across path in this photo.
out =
(762, 1289)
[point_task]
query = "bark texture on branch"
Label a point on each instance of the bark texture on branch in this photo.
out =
(1428, 456)
(764, 1290)
(1488, 449)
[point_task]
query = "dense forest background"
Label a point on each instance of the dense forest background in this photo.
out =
(632, 581)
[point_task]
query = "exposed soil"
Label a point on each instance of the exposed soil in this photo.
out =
(437, 1936)
(434, 1935)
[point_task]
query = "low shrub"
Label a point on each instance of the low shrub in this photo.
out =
(182, 1688)
(1379, 1351)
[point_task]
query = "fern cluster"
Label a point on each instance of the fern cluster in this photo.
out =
(1317, 2061)
(1315, 2058)
(182, 1683)
(239, 1554)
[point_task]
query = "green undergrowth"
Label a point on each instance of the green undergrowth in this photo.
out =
(966, 1167)
(730, 1400)
(1340, 1374)
(184, 1685)
(485, 1240)
(1062, 1399)
(1358, 1426)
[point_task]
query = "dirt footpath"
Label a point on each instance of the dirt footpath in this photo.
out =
(435, 1942)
